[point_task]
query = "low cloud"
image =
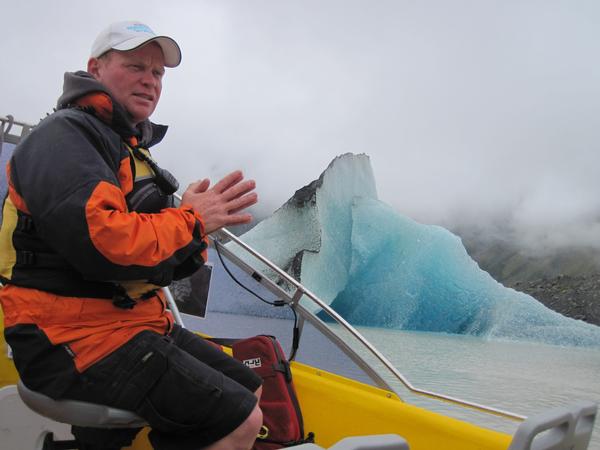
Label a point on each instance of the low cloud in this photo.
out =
(484, 113)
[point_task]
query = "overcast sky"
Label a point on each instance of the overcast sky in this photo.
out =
(468, 109)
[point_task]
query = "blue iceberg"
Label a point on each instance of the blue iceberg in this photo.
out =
(379, 268)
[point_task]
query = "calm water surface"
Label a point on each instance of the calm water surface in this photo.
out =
(520, 377)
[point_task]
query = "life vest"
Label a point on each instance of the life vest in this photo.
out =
(36, 250)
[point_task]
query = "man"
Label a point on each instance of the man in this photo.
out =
(89, 235)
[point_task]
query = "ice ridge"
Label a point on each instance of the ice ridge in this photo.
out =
(379, 268)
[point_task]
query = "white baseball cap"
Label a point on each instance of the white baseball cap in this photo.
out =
(130, 35)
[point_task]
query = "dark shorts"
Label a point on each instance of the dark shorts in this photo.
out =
(190, 393)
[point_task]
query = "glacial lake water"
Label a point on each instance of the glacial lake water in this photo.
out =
(521, 377)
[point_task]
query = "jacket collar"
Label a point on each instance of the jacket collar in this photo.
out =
(82, 90)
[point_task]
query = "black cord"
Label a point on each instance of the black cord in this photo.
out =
(295, 336)
(277, 303)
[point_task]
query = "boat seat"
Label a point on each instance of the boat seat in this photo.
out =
(562, 428)
(86, 414)
(78, 413)
(374, 442)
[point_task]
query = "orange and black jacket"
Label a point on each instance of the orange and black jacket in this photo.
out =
(79, 220)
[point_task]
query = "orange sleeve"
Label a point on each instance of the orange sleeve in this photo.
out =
(128, 238)
(76, 183)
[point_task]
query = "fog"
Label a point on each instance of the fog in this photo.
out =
(473, 112)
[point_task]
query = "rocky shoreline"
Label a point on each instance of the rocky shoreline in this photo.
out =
(577, 297)
(566, 280)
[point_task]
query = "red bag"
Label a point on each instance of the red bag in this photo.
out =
(282, 423)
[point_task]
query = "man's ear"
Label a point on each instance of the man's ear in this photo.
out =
(93, 67)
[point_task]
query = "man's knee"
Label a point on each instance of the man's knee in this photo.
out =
(243, 437)
(254, 421)
(249, 429)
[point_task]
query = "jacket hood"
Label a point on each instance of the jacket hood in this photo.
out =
(80, 84)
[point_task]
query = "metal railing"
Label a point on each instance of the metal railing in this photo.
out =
(301, 290)
(12, 131)
(7, 136)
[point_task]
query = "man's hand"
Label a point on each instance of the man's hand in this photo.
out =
(220, 205)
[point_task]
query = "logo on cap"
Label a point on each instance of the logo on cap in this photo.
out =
(140, 28)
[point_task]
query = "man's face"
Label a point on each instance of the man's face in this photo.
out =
(134, 78)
